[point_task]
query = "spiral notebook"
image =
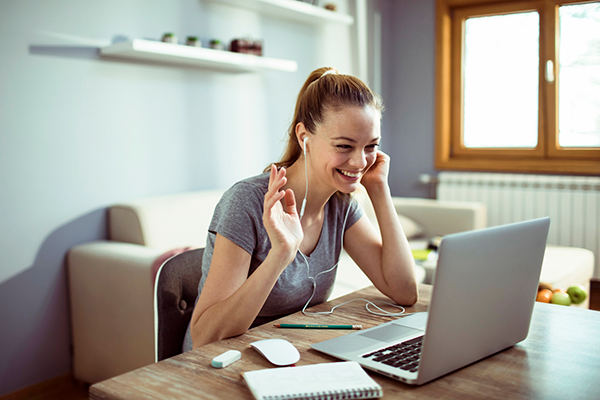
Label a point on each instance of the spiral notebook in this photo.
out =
(335, 380)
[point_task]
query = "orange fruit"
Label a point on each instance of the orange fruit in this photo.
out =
(559, 290)
(544, 296)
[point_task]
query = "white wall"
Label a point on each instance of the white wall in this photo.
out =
(78, 133)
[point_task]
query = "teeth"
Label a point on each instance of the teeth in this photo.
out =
(350, 174)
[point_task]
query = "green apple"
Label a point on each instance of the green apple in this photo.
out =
(560, 298)
(577, 294)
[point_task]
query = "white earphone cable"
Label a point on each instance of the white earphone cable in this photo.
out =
(314, 279)
(306, 180)
(382, 312)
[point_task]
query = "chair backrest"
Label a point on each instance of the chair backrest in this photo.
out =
(175, 295)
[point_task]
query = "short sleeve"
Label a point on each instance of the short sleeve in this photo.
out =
(238, 215)
(354, 213)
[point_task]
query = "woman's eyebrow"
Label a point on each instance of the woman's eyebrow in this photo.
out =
(352, 140)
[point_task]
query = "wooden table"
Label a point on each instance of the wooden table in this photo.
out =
(560, 359)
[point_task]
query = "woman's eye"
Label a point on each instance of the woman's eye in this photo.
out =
(370, 147)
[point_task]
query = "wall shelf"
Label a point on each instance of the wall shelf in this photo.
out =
(148, 50)
(291, 10)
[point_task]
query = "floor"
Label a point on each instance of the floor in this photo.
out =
(73, 391)
(79, 391)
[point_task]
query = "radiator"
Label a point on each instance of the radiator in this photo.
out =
(571, 202)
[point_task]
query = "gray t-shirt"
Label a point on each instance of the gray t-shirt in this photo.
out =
(238, 217)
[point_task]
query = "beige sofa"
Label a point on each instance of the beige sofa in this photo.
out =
(111, 282)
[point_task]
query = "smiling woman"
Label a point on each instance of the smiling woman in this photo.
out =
(268, 254)
(325, 92)
(342, 148)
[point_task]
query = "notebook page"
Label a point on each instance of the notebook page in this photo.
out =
(311, 380)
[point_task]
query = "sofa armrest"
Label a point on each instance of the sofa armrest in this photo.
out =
(439, 217)
(111, 295)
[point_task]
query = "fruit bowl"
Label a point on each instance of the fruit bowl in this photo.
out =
(574, 295)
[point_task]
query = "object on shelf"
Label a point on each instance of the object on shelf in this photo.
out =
(154, 51)
(169, 37)
(247, 46)
(193, 41)
(331, 7)
(216, 44)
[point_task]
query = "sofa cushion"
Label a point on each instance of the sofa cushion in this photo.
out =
(181, 220)
(164, 222)
(411, 228)
(565, 266)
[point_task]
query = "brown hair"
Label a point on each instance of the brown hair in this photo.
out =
(320, 93)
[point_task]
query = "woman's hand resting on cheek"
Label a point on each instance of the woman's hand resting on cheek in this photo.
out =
(282, 225)
(377, 175)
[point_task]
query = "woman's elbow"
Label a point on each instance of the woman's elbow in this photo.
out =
(198, 340)
(407, 297)
(202, 335)
(413, 298)
(205, 335)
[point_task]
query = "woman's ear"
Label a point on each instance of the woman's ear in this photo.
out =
(301, 134)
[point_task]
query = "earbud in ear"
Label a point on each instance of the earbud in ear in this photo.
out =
(306, 180)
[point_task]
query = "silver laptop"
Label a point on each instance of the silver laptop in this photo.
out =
(482, 300)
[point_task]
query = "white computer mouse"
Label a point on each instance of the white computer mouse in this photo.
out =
(278, 351)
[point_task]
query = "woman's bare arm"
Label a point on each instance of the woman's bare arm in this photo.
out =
(230, 300)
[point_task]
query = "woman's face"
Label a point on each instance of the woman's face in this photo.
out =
(344, 147)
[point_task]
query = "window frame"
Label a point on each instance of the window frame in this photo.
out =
(547, 156)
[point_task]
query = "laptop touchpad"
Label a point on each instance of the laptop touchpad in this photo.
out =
(390, 332)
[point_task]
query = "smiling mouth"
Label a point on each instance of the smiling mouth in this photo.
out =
(348, 173)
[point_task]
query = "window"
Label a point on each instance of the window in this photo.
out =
(518, 86)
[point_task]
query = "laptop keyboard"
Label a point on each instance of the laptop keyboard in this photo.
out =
(403, 355)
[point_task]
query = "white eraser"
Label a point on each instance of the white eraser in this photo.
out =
(223, 360)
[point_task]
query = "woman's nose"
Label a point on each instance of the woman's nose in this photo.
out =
(358, 159)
